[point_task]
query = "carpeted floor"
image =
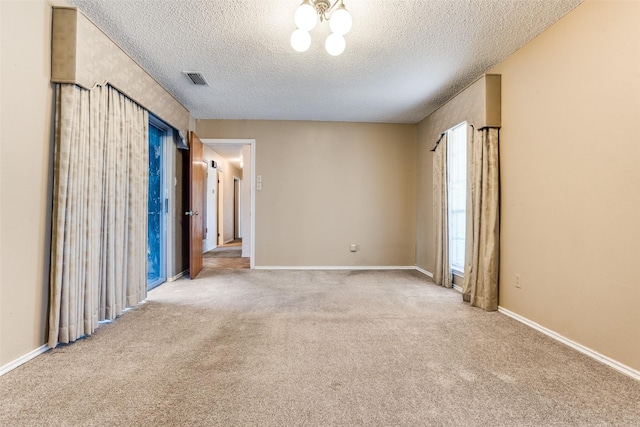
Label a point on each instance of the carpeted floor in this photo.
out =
(315, 348)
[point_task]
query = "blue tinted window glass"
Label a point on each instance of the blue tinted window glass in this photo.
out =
(154, 241)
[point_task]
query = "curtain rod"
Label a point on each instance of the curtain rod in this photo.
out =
(437, 142)
(470, 124)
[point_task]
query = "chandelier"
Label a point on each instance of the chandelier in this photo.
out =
(306, 18)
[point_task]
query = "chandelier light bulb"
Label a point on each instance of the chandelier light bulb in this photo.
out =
(306, 16)
(340, 22)
(300, 40)
(335, 44)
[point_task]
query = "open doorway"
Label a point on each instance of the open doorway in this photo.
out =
(220, 207)
(237, 228)
(231, 196)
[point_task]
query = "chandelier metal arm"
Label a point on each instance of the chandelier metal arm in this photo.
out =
(306, 17)
(323, 7)
(334, 5)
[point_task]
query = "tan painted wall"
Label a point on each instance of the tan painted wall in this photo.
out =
(570, 174)
(326, 185)
(570, 166)
(25, 175)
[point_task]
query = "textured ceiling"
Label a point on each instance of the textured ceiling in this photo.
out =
(404, 58)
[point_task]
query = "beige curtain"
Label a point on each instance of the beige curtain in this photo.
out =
(442, 274)
(99, 230)
(483, 220)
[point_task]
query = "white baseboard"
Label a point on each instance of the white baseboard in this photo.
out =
(457, 288)
(334, 267)
(425, 272)
(23, 359)
(177, 276)
(582, 349)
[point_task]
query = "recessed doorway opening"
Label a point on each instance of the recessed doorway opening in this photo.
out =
(230, 200)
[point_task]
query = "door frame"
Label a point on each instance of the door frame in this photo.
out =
(196, 202)
(252, 188)
(220, 207)
(237, 208)
(166, 227)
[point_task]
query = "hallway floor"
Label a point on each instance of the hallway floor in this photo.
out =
(227, 256)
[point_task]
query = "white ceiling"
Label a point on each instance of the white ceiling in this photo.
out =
(404, 58)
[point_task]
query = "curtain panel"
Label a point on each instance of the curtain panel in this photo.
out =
(483, 220)
(442, 274)
(99, 230)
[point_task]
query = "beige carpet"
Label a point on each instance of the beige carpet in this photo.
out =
(313, 348)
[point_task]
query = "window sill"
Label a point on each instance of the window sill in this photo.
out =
(458, 273)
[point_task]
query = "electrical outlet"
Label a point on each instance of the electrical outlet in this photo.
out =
(353, 247)
(518, 281)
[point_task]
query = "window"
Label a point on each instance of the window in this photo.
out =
(457, 190)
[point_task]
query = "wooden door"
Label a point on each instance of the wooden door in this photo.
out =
(196, 204)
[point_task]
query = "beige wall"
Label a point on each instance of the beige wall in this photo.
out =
(570, 166)
(570, 176)
(25, 175)
(326, 185)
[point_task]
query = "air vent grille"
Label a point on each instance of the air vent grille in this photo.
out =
(196, 78)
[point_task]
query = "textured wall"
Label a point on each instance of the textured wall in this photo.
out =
(570, 166)
(326, 185)
(84, 55)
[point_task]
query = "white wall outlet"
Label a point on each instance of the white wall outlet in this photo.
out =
(353, 247)
(259, 186)
(259, 178)
(518, 281)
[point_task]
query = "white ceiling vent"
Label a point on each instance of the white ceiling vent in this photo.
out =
(196, 78)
